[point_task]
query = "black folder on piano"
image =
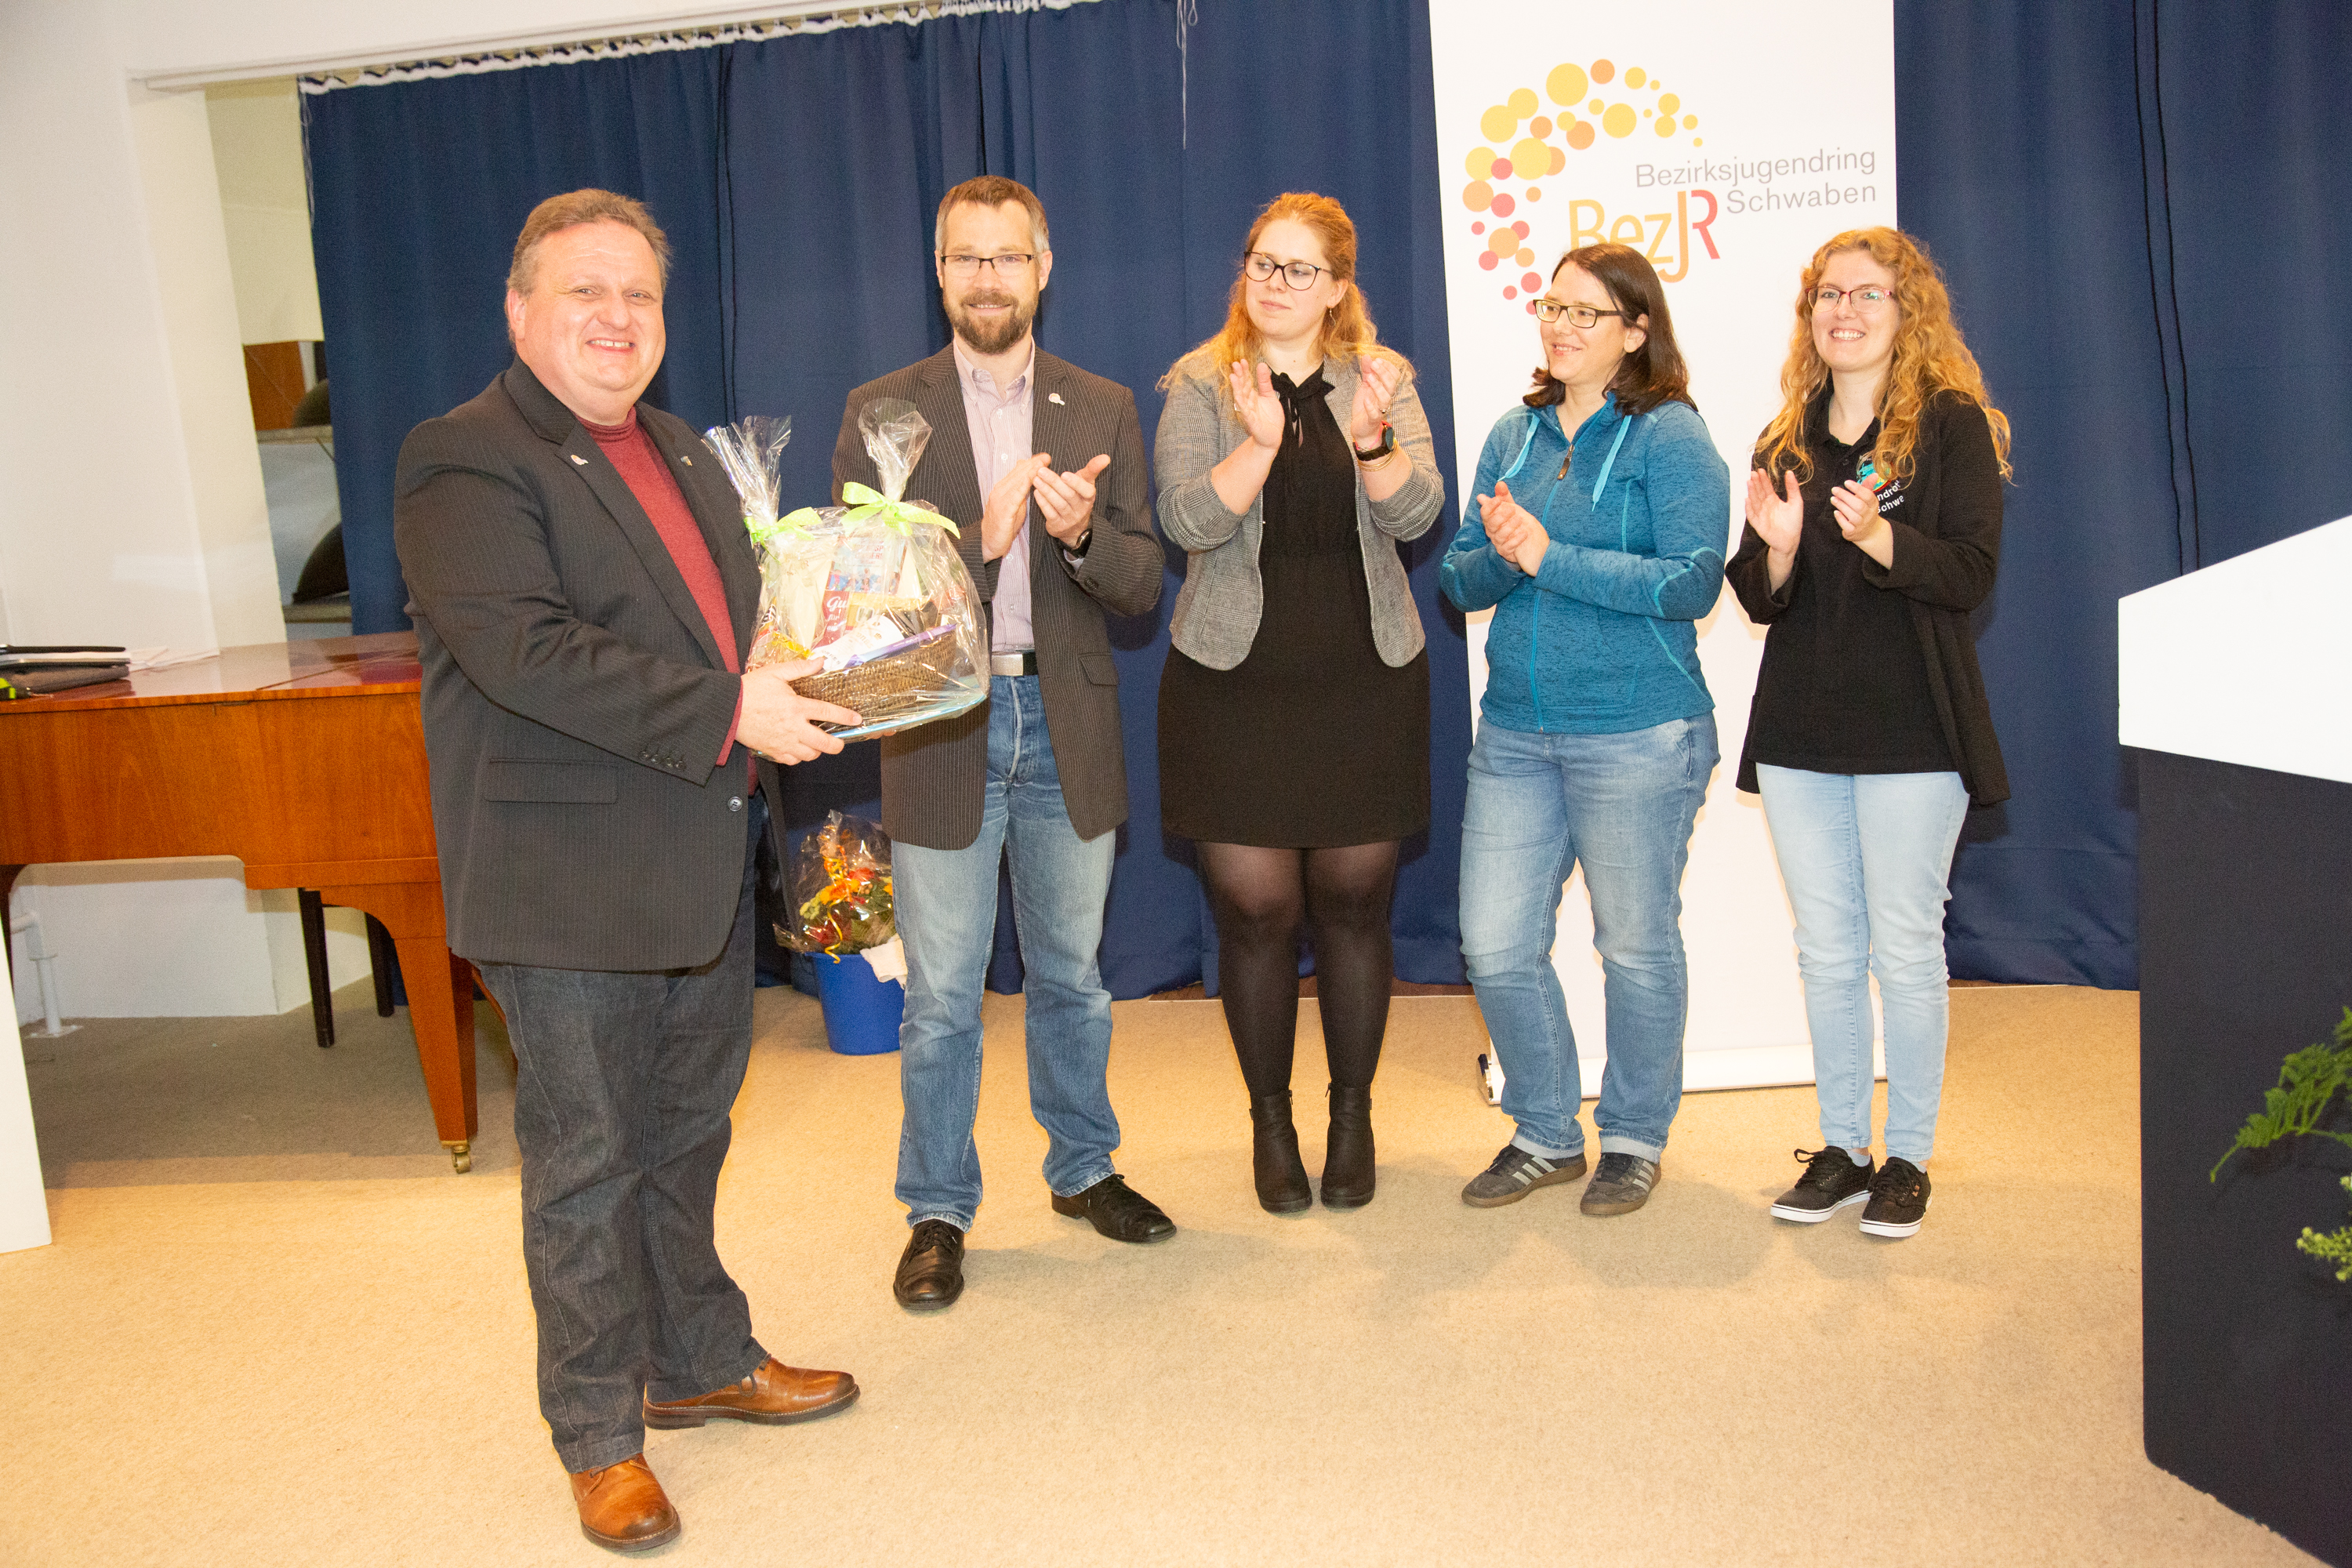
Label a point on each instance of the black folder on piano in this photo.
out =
(28, 671)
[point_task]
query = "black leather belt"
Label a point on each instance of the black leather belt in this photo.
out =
(1022, 663)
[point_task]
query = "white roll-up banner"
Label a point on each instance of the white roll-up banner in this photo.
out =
(1725, 140)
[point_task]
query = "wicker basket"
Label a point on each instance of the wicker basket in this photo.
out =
(902, 683)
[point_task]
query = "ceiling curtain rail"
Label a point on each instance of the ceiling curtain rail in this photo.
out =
(702, 38)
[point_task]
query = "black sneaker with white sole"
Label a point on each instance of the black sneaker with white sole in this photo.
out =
(1899, 1200)
(1515, 1173)
(1831, 1182)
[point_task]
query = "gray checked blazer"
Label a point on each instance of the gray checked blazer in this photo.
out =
(934, 776)
(1218, 608)
(574, 700)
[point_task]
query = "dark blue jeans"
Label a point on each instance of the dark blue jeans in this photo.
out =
(624, 1083)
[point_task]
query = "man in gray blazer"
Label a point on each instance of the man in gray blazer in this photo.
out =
(1042, 466)
(582, 588)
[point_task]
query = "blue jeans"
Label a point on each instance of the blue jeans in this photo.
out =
(623, 1085)
(947, 916)
(1867, 860)
(1623, 807)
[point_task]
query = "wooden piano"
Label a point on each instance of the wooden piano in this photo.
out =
(304, 760)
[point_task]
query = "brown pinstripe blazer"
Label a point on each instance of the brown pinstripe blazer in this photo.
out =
(575, 699)
(932, 777)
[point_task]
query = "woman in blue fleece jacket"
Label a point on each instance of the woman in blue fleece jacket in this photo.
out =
(1597, 536)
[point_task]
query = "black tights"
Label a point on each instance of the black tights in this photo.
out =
(1261, 898)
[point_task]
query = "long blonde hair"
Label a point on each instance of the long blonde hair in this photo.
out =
(1929, 358)
(1347, 326)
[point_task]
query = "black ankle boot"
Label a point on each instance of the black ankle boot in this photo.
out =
(1348, 1154)
(1282, 1185)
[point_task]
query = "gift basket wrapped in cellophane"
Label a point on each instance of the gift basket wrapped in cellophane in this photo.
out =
(839, 885)
(873, 590)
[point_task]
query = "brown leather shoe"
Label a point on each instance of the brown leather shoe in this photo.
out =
(773, 1395)
(623, 1508)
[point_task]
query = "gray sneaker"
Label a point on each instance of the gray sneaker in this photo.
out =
(1515, 1173)
(1621, 1186)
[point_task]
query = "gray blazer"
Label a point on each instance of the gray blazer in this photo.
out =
(1217, 612)
(574, 701)
(935, 777)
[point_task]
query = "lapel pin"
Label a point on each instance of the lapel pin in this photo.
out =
(577, 458)
(686, 460)
(1054, 397)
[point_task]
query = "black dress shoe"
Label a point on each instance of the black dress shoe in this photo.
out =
(931, 1271)
(1348, 1173)
(1119, 1211)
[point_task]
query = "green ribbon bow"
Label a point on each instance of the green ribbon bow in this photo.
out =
(866, 505)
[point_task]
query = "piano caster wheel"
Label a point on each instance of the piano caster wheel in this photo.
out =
(461, 1156)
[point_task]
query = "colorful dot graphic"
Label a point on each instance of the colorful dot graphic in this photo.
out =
(1523, 143)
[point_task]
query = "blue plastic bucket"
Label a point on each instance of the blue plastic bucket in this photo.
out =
(861, 1012)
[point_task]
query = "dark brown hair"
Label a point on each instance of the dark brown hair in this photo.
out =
(993, 191)
(1653, 373)
(571, 210)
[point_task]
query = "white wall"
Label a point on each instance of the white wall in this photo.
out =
(257, 135)
(177, 42)
(24, 1207)
(132, 508)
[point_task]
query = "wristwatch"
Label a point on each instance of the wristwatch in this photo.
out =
(1374, 455)
(1073, 553)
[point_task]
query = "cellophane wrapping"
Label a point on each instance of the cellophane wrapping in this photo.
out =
(873, 590)
(839, 887)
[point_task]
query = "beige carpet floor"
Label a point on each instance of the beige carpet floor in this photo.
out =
(275, 1329)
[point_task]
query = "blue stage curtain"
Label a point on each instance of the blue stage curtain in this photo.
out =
(798, 179)
(418, 190)
(1150, 197)
(2134, 206)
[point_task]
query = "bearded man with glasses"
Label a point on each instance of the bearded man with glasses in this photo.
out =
(1040, 464)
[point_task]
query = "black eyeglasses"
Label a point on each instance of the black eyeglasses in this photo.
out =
(963, 268)
(1260, 266)
(1578, 315)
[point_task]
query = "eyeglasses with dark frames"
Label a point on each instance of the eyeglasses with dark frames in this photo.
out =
(1578, 315)
(1301, 275)
(1866, 299)
(963, 268)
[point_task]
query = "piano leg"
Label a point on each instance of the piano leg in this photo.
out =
(314, 959)
(440, 1001)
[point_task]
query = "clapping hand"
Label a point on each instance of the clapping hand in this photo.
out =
(1255, 405)
(1007, 507)
(1515, 532)
(1376, 388)
(1068, 500)
(1857, 506)
(1778, 518)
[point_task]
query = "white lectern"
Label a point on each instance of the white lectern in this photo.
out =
(2236, 681)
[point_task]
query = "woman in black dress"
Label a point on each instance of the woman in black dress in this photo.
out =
(1294, 709)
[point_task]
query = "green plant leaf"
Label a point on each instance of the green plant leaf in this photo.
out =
(2307, 1083)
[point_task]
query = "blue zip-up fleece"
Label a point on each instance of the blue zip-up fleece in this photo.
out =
(1604, 638)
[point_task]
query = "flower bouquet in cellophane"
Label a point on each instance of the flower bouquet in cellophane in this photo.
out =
(839, 890)
(873, 590)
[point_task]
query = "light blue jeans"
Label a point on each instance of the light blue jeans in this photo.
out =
(1623, 807)
(1867, 860)
(947, 916)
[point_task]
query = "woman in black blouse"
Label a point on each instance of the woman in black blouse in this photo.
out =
(1874, 527)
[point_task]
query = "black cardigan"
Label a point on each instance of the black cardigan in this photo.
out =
(1947, 535)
